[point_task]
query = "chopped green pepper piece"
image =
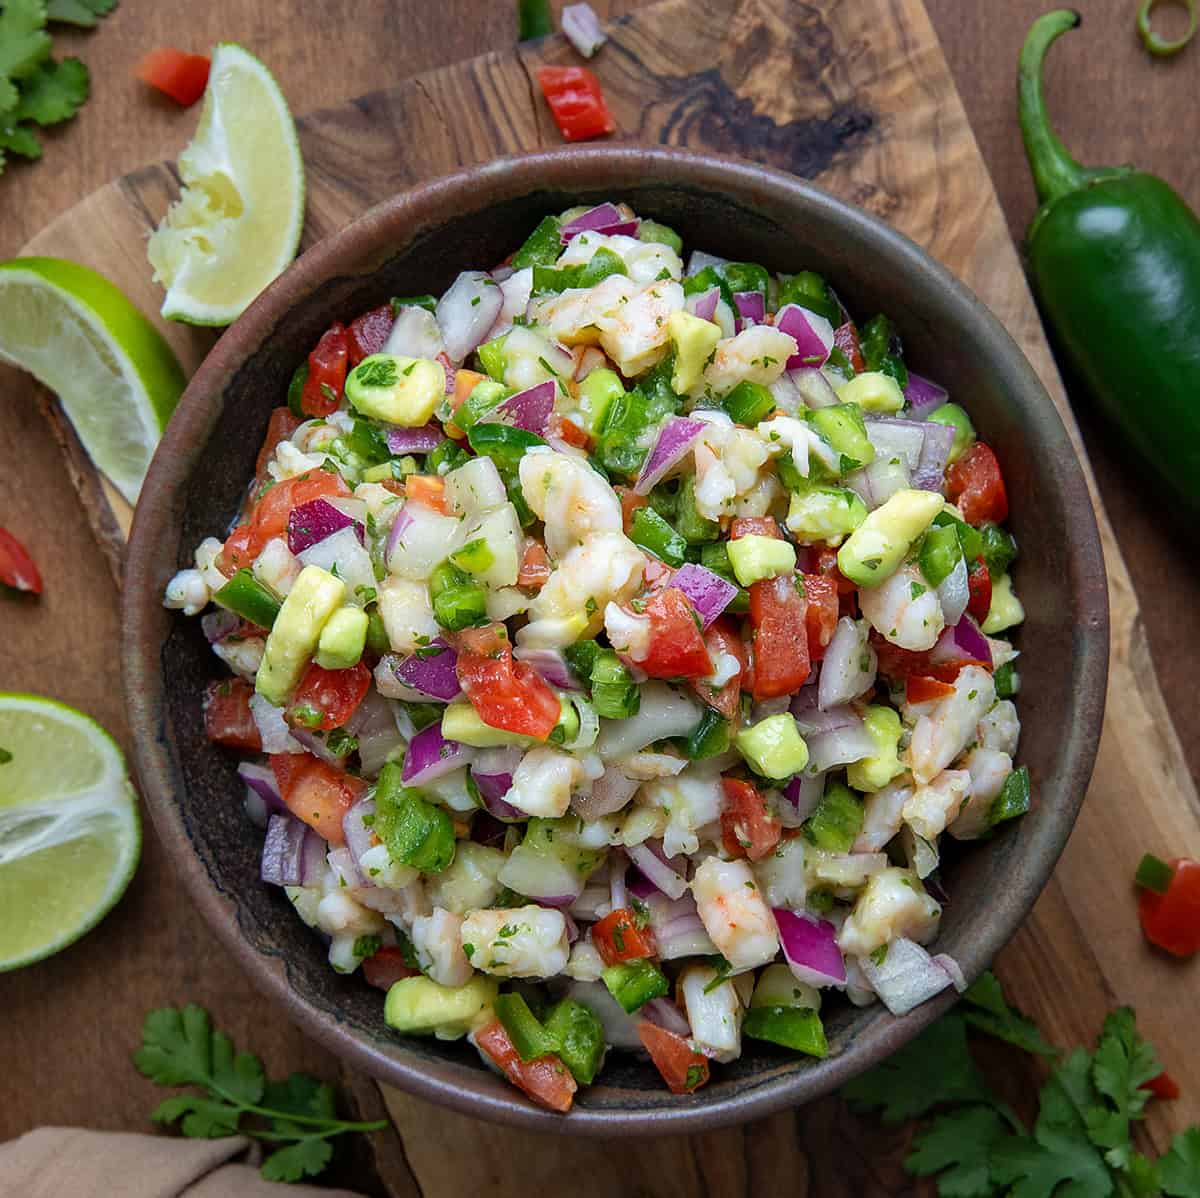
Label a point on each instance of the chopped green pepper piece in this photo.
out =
(1013, 799)
(295, 391)
(449, 455)
(706, 280)
(792, 1027)
(579, 1038)
(635, 983)
(458, 600)
(629, 416)
(483, 398)
(581, 657)
(415, 832)
(837, 820)
(1007, 680)
(940, 553)
(603, 262)
(651, 532)
(428, 302)
(368, 441)
(748, 403)
(245, 596)
(809, 290)
(881, 349)
(969, 538)
(596, 394)
(716, 559)
(664, 499)
(503, 443)
(542, 247)
(491, 357)
(533, 19)
(999, 548)
(528, 1036)
(377, 637)
(651, 230)
(689, 523)
(552, 279)
(615, 695)
(1154, 874)
(710, 738)
(745, 276)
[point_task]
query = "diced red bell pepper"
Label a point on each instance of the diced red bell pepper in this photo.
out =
(181, 76)
(576, 102)
(16, 566)
(227, 718)
(976, 484)
(327, 366)
(748, 829)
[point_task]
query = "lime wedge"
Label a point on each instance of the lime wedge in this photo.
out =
(70, 837)
(237, 224)
(116, 377)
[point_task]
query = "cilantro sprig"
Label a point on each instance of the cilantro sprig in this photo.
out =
(180, 1048)
(1081, 1143)
(35, 90)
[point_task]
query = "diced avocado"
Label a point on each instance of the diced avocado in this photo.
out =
(755, 557)
(596, 392)
(876, 771)
(559, 838)
(420, 1005)
(873, 391)
(461, 722)
(315, 596)
(777, 986)
(343, 639)
(824, 514)
(880, 543)
(842, 425)
(964, 430)
(1006, 609)
(695, 340)
(396, 389)
(491, 357)
(651, 230)
(773, 747)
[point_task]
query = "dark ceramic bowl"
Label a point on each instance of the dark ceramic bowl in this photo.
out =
(416, 243)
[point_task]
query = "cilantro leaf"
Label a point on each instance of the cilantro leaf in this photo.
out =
(238, 1078)
(1122, 1063)
(1141, 1178)
(992, 1013)
(79, 12)
(24, 43)
(203, 1118)
(956, 1147)
(304, 1158)
(53, 92)
(176, 1047)
(300, 1095)
(1179, 1169)
(934, 1068)
(19, 139)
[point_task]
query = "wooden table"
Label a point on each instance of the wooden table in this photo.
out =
(71, 1022)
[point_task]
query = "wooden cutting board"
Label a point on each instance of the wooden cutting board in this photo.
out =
(858, 97)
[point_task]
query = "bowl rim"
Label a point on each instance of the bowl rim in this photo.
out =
(395, 223)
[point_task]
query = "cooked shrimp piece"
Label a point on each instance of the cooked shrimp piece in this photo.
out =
(904, 610)
(734, 913)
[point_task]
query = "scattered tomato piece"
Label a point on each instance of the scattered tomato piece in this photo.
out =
(16, 566)
(821, 614)
(1163, 1086)
(428, 489)
(507, 694)
(748, 829)
(576, 102)
(1172, 920)
(976, 484)
(681, 1067)
(181, 76)
(535, 566)
(327, 366)
(280, 427)
(845, 337)
(922, 688)
(369, 332)
(676, 648)
(722, 637)
(780, 648)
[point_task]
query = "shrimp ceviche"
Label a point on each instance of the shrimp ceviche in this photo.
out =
(612, 644)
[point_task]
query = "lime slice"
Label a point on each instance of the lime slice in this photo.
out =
(237, 224)
(70, 837)
(116, 377)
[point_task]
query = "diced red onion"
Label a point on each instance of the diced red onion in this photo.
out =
(810, 948)
(923, 396)
(431, 756)
(610, 792)
(674, 440)
(804, 792)
(657, 869)
(878, 481)
(402, 522)
(273, 729)
(698, 260)
(551, 665)
(495, 805)
(814, 388)
(218, 624)
(664, 1013)
(433, 674)
(639, 885)
(906, 977)
(620, 1029)
(676, 925)
(603, 219)
(414, 440)
(529, 409)
(813, 334)
(893, 437)
(312, 522)
(317, 746)
(261, 780)
(709, 593)
(834, 737)
(342, 862)
(704, 303)
(293, 854)
(373, 725)
(560, 902)
(751, 306)
(952, 967)
(257, 811)
(954, 592)
(356, 827)
(848, 668)
(963, 642)
(488, 831)
(582, 27)
(930, 474)
(618, 864)
(592, 904)
(415, 334)
(466, 312)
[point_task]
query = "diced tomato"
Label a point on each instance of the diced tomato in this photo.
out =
(508, 694)
(722, 637)
(568, 431)
(897, 663)
(1163, 1086)
(1172, 920)
(386, 967)
(327, 366)
(618, 938)
(16, 566)
(676, 648)
(921, 688)
(778, 612)
(489, 641)
(576, 102)
(757, 526)
(235, 554)
(948, 671)
(748, 829)
(681, 1067)
(270, 516)
(544, 1079)
(976, 484)
(326, 699)
(280, 427)
(535, 566)
(316, 793)
(227, 718)
(181, 76)
(630, 502)
(979, 582)
(656, 574)
(821, 614)
(827, 564)
(369, 332)
(428, 489)
(845, 337)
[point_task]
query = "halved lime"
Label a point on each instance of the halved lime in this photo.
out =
(70, 837)
(237, 224)
(116, 377)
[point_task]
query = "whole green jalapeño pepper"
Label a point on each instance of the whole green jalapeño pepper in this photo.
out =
(1114, 256)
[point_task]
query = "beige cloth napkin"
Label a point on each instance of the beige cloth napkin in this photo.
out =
(69, 1162)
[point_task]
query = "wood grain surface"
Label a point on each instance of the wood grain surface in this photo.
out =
(75, 1018)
